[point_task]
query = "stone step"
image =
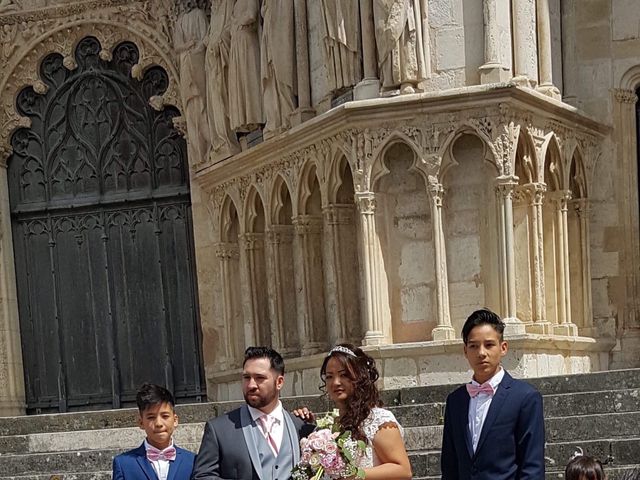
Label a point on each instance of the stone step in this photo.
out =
(591, 403)
(424, 454)
(106, 439)
(421, 426)
(607, 383)
(33, 464)
(408, 414)
(613, 473)
(589, 382)
(106, 475)
(591, 427)
(617, 451)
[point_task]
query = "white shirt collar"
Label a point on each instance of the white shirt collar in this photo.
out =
(493, 381)
(276, 413)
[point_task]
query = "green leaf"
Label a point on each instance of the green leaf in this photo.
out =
(360, 473)
(362, 445)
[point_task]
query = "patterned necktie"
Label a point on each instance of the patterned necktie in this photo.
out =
(475, 390)
(153, 454)
(267, 424)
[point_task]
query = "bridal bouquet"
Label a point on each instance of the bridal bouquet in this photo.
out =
(328, 451)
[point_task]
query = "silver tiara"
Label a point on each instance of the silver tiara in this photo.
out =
(341, 349)
(578, 453)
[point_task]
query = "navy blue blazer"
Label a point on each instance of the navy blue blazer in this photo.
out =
(133, 465)
(511, 443)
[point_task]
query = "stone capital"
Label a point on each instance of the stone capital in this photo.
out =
(625, 96)
(436, 192)
(535, 192)
(505, 186)
(227, 250)
(252, 241)
(366, 203)
(307, 224)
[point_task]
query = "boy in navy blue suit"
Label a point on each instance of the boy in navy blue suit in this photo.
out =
(494, 425)
(157, 458)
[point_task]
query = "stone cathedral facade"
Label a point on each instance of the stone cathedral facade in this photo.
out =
(182, 180)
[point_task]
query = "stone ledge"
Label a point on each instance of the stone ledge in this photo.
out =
(440, 362)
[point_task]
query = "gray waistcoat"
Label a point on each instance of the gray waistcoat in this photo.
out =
(274, 468)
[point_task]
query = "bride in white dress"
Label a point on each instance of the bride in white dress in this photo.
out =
(349, 377)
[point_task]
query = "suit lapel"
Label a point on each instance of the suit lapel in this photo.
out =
(246, 422)
(145, 465)
(463, 422)
(494, 409)
(293, 436)
(174, 466)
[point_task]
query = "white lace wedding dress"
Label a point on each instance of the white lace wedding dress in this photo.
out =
(377, 418)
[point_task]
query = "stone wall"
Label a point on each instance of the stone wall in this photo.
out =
(386, 221)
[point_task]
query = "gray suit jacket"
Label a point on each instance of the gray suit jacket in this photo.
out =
(228, 452)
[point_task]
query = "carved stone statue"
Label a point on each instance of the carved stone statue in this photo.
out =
(278, 64)
(341, 24)
(245, 103)
(7, 5)
(223, 140)
(190, 33)
(398, 31)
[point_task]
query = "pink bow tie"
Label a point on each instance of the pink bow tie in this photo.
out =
(153, 454)
(475, 390)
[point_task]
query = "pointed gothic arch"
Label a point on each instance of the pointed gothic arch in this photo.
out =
(99, 191)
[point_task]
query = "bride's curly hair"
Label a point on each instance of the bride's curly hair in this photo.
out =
(361, 369)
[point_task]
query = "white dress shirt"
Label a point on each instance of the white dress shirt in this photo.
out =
(277, 417)
(161, 467)
(479, 406)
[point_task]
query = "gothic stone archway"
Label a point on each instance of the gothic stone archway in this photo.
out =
(102, 232)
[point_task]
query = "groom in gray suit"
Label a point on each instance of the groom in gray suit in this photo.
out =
(260, 440)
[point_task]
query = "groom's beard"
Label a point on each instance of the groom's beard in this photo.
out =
(258, 399)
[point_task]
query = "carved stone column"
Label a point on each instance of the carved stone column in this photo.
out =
(304, 111)
(371, 271)
(12, 393)
(341, 303)
(544, 50)
(581, 207)
(493, 71)
(569, 53)
(228, 253)
(369, 87)
(254, 292)
(525, 68)
(283, 313)
(536, 193)
(444, 330)
(565, 326)
(312, 322)
(625, 139)
(504, 192)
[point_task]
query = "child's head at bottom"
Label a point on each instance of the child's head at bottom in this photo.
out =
(156, 407)
(584, 467)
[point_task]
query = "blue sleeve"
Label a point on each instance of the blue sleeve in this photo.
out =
(207, 463)
(448, 457)
(530, 438)
(117, 469)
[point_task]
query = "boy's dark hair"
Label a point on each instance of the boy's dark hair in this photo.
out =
(483, 316)
(275, 359)
(584, 467)
(150, 394)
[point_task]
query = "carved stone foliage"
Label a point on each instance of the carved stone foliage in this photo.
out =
(88, 141)
(26, 37)
(499, 127)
